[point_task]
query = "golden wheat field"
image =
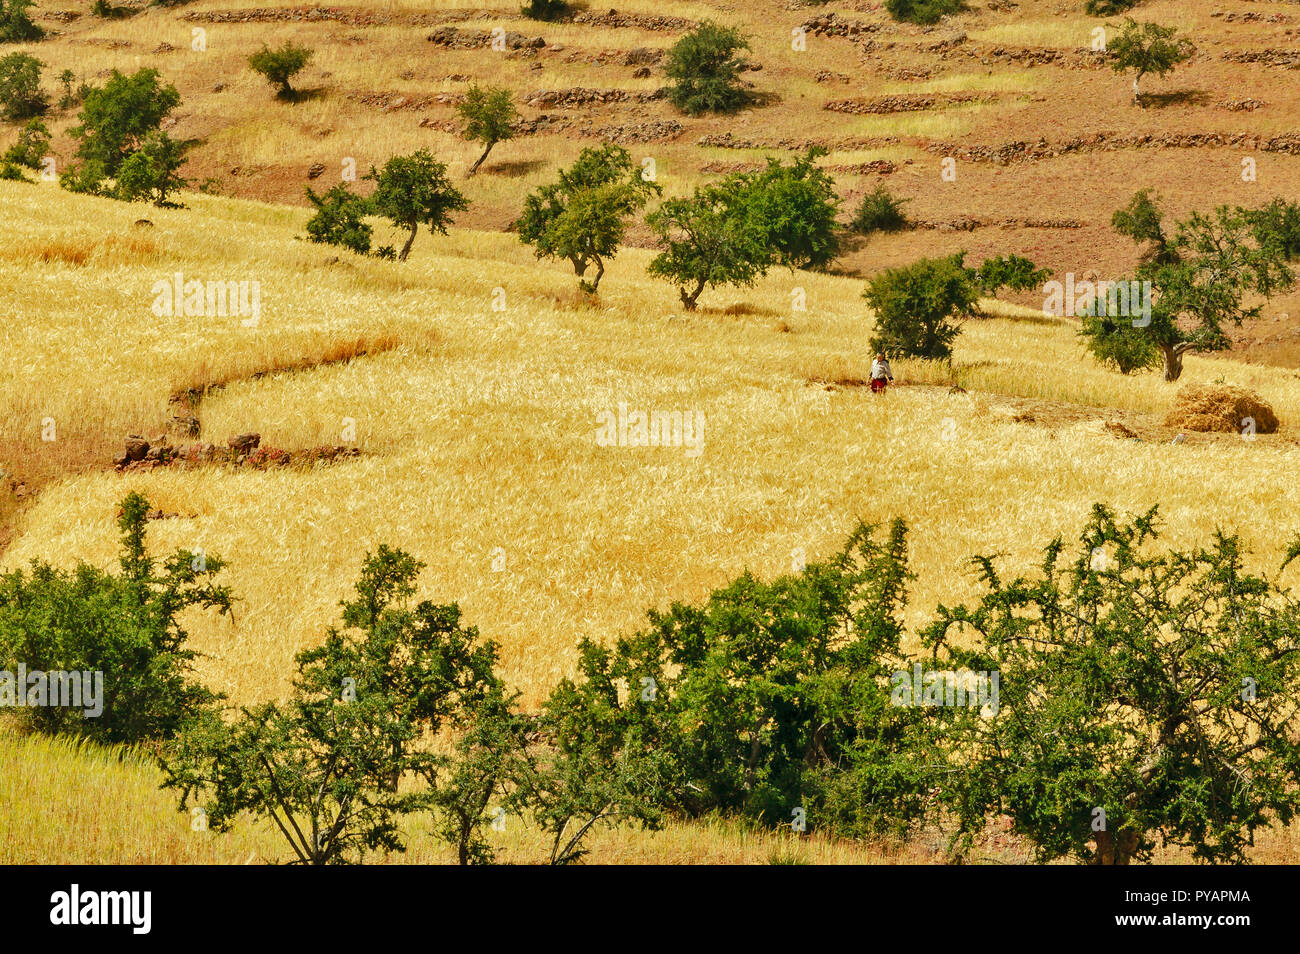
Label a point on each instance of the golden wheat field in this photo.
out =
(472, 380)
(477, 431)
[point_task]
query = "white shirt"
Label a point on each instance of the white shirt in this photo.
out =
(880, 371)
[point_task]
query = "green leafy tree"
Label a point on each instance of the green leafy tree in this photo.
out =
(795, 207)
(1147, 49)
(920, 307)
(1278, 223)
(32, 147)
(125, 626)
(150, 173)
(1142, 221)
(1147, 698)
(924, 12)
(489, 759)
(412, 191)
(582, 216)
(116, 119)
(1012, 272)
(21, 96)
(1202, 277)
(339, 765)
(879, 211)
(1116, 340)
(708, 240)
(340, 219)
(489, 116)
(16, 24)
(769, 699)
(281, 65)
(704, 69)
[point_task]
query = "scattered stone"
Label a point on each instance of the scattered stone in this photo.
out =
(316, 170)
(244, 443)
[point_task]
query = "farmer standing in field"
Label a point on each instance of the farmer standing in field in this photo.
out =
(881, 375)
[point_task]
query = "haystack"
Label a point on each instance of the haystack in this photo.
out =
(1220, 407)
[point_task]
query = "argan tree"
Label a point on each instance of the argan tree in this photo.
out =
(704, 69)
(709, 239)
(127, 626)
(150, 173)
(1147, 48)
(414, 190)
(489, 116)
(1203, 276)
(21, 96)
(1147, 698)
(115, 121)
(340, 219)
(583, 215)
(920, 307)
(795, 206)
(281, 65)
(339, 765)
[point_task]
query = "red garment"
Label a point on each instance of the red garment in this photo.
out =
(878, 385)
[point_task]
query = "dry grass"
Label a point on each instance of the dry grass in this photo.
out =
(478, 424)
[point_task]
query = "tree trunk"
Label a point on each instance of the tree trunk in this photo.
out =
(600, 271)
(690, 300)
(1113, 850)
(410, 240)
(1173, 361)
(474, 168)
(1137, 90)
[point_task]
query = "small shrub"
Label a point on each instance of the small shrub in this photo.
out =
(32, 146)
(1279, 223)
(1108, 8)
(704, 67)
(880, 211)
(21, 96)
(924, 12)
(545, 9)
(16, 25)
